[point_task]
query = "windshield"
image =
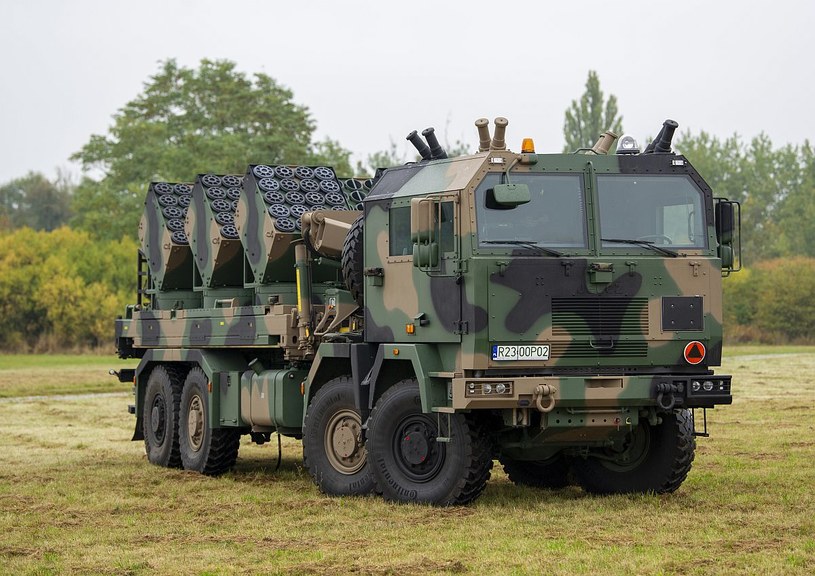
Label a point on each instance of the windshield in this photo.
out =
(555, 215)
(664, 210)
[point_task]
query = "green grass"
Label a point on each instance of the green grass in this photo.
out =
(756, 349)
(76, 496)
(46, 374)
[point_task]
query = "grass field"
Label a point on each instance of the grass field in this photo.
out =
(76, 496)
(55, 374)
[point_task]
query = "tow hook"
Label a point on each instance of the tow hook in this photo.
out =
(665, 395)
(544, 392)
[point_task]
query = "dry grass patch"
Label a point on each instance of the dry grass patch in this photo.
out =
(76, 496)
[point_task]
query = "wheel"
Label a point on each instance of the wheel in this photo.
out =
(654, 237)
(333, 450)
(203, 449)
(550, 473)
(407, 462)
(649, 459)
(352, 261)
(162, 398)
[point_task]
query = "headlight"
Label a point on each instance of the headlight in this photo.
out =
(707, 385)
(493, 388)
(696, 385)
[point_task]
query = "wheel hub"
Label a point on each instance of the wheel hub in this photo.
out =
(415, 447)
(343, 442)
(157, 419)
(195, 423)
(418, 454)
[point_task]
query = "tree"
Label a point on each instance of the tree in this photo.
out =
(189, 121)
(59, 290)
(590, 117)
(36, 202)
(380, 159)
(775, 186)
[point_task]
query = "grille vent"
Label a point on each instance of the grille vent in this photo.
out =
(600, 317)
(585, 350)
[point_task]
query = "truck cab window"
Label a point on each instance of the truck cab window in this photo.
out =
(399, 239)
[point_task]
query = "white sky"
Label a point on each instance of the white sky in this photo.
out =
(372, 71)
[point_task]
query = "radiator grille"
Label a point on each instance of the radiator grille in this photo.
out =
(600, 317)
(585, 350)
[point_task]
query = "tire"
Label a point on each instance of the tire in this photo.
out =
(352, 265)
(203, 449)
(659, 459)
(333, 451)
(551, 473)
(483, 451)
(162, 398)
(407, 463)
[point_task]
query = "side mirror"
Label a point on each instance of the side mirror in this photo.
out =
(724, 222)
(423, 232)
(511, 194)
(726, 255)
(727, 214)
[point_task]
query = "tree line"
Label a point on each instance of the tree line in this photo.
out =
(67, 265)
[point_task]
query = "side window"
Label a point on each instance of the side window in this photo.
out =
(446, 230)
(399, 240)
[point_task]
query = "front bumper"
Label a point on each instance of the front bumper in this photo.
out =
(665, 391)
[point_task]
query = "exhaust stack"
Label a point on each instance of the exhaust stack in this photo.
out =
(420, 146)
(662, 143)
(604, 143)
(436, 151)
(498, 141)
(484, 138)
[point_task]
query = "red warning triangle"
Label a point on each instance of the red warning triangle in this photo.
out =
(694, 352)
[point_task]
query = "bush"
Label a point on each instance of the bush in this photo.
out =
(61, 290)
(772, 302)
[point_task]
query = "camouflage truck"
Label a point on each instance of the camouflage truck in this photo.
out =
(558, 312)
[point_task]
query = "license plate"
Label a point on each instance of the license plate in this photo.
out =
(531, 352)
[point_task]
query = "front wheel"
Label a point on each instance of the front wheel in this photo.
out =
(648, 459)
(333, 451)
(408, 461)
(203, 449)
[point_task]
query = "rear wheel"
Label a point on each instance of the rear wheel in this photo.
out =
(648, 459)
(333, 451)
(550, 473)
(203, 449)
(409, 464)
(162, 398)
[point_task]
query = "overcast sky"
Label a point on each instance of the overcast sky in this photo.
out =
(372, 71)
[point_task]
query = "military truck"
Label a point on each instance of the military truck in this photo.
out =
(558, 312)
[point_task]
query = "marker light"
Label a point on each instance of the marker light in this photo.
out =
(528, 146)
(628, 145)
